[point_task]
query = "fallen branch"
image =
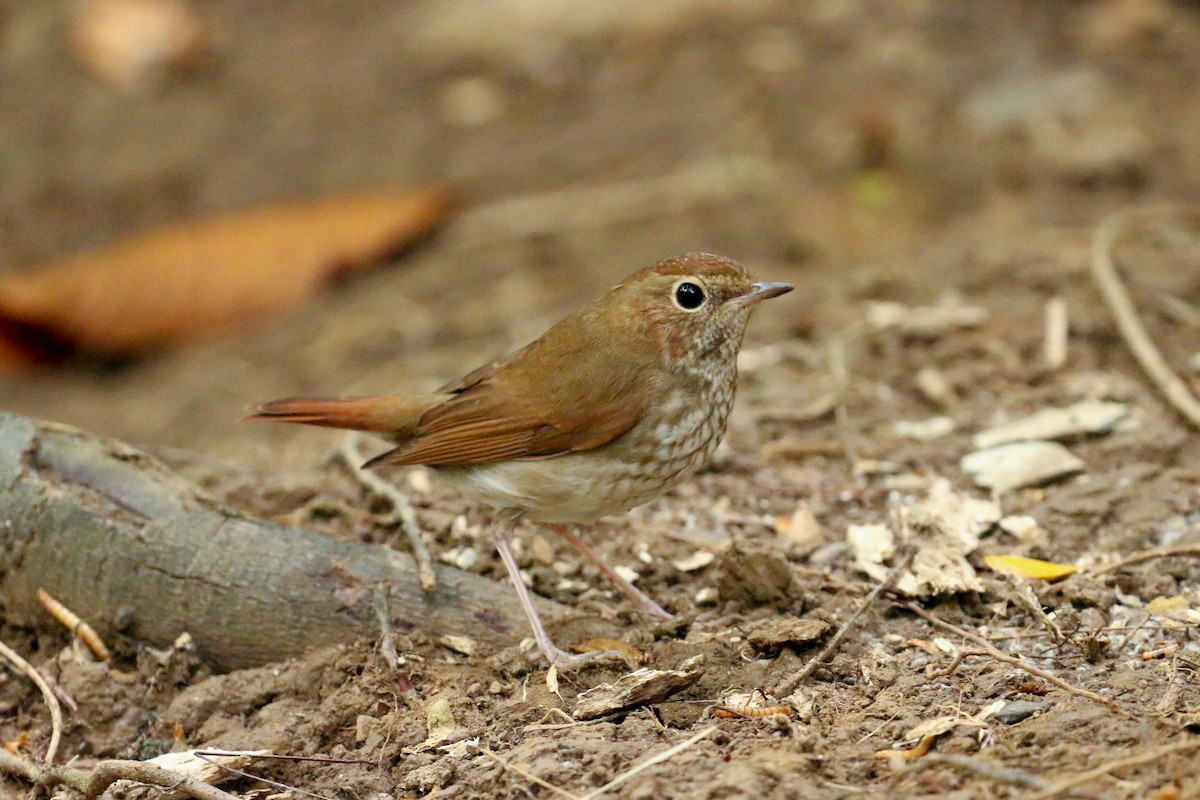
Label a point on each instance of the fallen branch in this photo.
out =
(71, 621)
(93, 783)
(106, 528)
(1130, 325)
(47, 695)
(999, 655)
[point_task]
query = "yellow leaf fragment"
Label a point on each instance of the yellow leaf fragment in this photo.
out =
(1023, 567)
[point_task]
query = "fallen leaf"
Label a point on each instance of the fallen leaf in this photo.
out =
(552, 681)
(186, 281)
(637, 689)
(1024, 567)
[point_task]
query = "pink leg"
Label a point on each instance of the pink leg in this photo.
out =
(552, 653)
(635, 594)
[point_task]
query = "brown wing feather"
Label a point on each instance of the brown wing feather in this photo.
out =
(568, 391)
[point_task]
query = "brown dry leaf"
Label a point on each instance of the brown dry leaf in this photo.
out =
(185, 281)
(1024, 567)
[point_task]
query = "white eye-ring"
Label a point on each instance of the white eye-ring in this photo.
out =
(689, 295)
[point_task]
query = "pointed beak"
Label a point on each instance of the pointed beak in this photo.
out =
(759, 292)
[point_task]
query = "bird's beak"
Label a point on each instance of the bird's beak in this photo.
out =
(759, 292)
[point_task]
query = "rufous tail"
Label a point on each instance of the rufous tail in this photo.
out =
(394, 416)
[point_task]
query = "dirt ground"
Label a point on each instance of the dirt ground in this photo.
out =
(865, 151)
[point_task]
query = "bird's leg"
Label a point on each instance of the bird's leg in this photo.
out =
(552, 653)
(635, 594)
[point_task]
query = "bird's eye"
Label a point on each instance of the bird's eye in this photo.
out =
(689, 296)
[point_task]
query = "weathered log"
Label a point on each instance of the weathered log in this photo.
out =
(131, 546)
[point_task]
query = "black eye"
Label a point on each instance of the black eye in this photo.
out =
(689, 296)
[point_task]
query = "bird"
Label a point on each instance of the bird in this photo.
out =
(608, 409)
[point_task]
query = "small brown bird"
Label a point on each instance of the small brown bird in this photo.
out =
(607, 410)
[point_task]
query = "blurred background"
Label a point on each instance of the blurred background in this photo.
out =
(863, 149)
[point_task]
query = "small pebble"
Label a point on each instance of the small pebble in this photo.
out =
(1018, 710)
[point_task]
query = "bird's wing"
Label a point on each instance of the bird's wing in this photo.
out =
(558, 395)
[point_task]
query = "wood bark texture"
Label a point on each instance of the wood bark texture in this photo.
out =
(132, 547)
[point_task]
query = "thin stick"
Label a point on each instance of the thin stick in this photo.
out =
(74, 624)
(650, 762)
(1130, 325)
(259, 778)
(1016, 662)
(400, 506)
(1066, 785)
(526, 774)
(996, 772)
(56, 723)
(251, 754)
(387, 636)
(1057, 329)
(1148, 555)
(791, 683)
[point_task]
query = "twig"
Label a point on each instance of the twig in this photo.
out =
(387, 636)
(650, 762)
(996, 772)
(1060, 787)
(56, 723)
(1025, 594)
(791, 683)
(74, 624)
(526, 774)
(1148, 555)
(1057, 329)
(1016, 662)
(93, 784)
(13, 764)
(400, 506)
(1130, 325)
(259, 778)
(254, 755)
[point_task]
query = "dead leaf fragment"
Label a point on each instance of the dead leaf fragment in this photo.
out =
(1023, 567)
(637, 689)
(1020, 464)
(128, 43)
(944, 527)
(185, 281)
(1082, 418)
(932, 321)
(771, 636)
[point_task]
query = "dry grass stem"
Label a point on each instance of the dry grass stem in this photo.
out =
(1150, 756)
(791, 683)
(526, 774)
(1016, 662)
(1130, 325)
(1148, 555)
(56, 723)
(400, 506)
(74, 624)
(665, 755)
